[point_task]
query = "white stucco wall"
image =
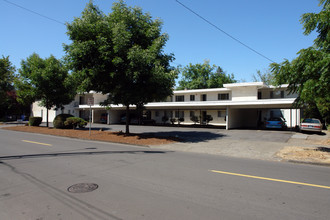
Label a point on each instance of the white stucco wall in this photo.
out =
(39, 111)
(244, 94)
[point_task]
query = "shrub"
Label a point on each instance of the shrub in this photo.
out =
(195, 119)
(180, 120)
(35, 121)
(60, 119)
(208, 118)
(173, 120)
(73, 122)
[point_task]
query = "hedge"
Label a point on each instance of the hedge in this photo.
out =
(74, 122)
(35, 121)
(60, 119)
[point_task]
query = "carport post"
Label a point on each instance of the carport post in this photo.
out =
(291, 118)
(227, 118)
(108, 117)
(296, 117)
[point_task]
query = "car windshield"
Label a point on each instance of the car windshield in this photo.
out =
(310, 120)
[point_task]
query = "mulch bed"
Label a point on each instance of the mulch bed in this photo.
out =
(118, 137)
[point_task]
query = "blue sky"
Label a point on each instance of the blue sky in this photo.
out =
(270, 27)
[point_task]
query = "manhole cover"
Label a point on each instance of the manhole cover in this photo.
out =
(82, 187)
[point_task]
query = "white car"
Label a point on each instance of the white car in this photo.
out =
(311, 124)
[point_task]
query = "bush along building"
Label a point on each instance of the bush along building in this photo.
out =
(237, 105)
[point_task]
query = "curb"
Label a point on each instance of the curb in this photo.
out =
(308, 162)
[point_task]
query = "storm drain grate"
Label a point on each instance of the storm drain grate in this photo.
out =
(82, 187)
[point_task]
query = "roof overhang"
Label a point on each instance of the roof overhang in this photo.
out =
(255, 104)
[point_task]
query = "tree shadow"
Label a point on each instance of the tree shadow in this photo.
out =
(323, 149)
(186, 136)
(96, 128)
(13, 157)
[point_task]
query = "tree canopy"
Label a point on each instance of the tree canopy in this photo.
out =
(120, 54)
(7, 74)
(202, 76)
(266, 77)
(309, 73)
(46, 80)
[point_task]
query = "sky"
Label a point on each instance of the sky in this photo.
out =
(272, 28)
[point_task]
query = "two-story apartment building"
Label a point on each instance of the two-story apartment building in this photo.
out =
(237, 105)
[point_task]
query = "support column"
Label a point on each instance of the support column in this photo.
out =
(227, 118)
(291, 118)
(92, 115)
(108, 117)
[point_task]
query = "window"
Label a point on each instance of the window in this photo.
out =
(223, 96)
(157, 113)
(192, 97)
(276, 94)
(192, 113)
(69, 111)
(179, 114)
(259, 95)
(203, 97)
(179, 98)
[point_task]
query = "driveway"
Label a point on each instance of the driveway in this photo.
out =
(243, 143)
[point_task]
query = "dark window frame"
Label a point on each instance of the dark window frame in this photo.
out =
(179, 98)
(192, 97)
(223, 96)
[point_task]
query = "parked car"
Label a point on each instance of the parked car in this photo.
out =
(277, 123)
(311, 124)
(104, 118)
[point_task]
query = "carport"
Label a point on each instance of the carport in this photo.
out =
(253, 114)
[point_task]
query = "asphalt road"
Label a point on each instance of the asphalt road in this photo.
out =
(140, 183)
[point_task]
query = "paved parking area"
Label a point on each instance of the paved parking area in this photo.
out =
(191, 134)
(243, 143)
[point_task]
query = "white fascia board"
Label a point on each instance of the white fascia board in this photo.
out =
(278, 87)
(247, 84)
(256, 103)
(200, 90)
(222, 103)
(103, 107)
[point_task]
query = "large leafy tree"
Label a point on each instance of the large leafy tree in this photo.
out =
(46, 80)
(309, 73)
(7, 74)
(202, 76)
(121, 54)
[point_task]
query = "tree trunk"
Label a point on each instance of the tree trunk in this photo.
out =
(47, 117)
(127, 119)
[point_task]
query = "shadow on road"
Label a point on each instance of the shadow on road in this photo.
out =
(187, 136)
(13, 157)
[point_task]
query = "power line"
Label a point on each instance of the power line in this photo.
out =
(224, 32)
(41, 15)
